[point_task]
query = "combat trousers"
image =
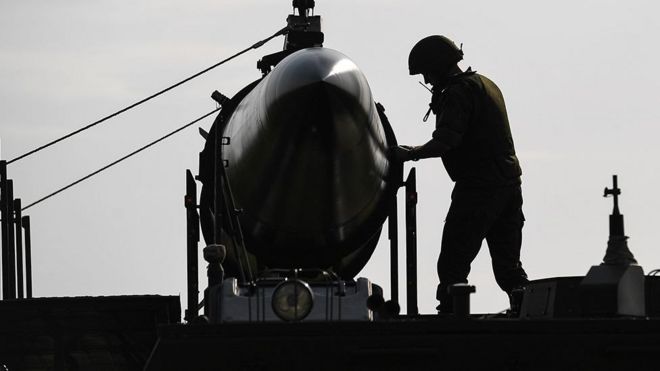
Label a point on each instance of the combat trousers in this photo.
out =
(475, 214)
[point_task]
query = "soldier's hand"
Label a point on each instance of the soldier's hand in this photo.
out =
(401, 153)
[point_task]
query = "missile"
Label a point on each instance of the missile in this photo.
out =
(306, 160)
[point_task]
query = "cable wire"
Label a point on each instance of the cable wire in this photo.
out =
(254, 46)
(120, 160)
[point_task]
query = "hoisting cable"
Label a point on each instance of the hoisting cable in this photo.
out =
(120, 160)
(254, 46)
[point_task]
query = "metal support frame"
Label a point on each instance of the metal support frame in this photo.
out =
(233, 223)
(11, 245)
(12, 224)
(192, 232)
(393, 234)
(25, 222)
(5, 217)
(411, 242)
(18, 233)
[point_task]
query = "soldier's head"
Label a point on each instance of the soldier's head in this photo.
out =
(435, 57)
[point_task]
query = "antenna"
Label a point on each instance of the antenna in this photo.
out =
(616, 219)
(617, 252)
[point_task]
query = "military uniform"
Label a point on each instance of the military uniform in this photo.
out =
(471, 120)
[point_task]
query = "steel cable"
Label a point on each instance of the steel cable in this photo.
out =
(120, 160)
(254, 46)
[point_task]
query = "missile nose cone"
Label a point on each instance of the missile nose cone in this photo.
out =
(307, 160)
(326, 93)
(318, 65)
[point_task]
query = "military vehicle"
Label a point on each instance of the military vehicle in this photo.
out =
(296, 185)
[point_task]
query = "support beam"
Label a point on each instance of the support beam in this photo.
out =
(393, 234)
(411, 242)
(11, 245)
(18, 232)
(192, 232)
(5, 217)
(28, 257)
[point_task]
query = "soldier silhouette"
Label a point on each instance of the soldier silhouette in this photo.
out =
(473, 138)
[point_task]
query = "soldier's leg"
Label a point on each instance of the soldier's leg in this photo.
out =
(466, 225)
(505, 240)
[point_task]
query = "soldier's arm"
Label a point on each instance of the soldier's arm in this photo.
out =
(453, 114)
(430, 149)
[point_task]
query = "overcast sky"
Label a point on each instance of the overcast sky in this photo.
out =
(579, 79)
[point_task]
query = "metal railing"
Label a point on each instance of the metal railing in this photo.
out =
(16, 243)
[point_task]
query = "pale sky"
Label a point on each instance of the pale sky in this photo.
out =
(578, 77)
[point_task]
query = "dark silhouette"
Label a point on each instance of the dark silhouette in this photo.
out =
(618, 252)
(473, 138)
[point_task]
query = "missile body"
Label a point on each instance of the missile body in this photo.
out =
(307, 165)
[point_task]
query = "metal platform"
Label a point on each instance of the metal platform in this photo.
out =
(422, 343)
(82, 333)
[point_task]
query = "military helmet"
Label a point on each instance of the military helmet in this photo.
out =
(433, 53)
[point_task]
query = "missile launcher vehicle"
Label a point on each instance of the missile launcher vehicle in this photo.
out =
(296, 185)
